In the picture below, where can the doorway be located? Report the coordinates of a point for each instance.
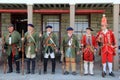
(20, 22)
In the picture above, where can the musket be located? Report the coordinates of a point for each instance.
(40, 66)
(40, 60)
(63, 62)
(81, 57)
(22, 53)
(4, 56)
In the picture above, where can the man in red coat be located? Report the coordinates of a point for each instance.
(89, 45)
(107, 40)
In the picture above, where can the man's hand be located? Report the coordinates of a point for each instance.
(78, 52)
(56, 50)
(36, 50)
(22, 39)
(95, 51)
(61, 52)
(19, 49)
(40, 35)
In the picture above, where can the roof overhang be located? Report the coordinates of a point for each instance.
(44, 11)
(58, 1)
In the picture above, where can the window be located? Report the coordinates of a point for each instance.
(51, 20)
(81, 23)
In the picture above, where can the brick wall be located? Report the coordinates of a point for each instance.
(5, 20)
(37, 21)
(96, 20)
(65, 22)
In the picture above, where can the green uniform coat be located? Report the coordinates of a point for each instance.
(73, 50)
(16, 39)
(35, 42)
(53, 37)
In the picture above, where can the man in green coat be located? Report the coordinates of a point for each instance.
(50, 42)
(70, 46)
(31, 41)
(12, 41)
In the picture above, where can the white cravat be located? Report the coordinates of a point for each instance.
(105, 31)
(88, 35)
(10, 40)
(48, 33)
(70, 42)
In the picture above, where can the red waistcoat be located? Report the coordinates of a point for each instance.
(88, 53)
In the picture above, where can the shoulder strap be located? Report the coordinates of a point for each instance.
(30, 35)
(69, 39)
(48, 38)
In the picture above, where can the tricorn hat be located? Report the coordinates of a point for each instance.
(89, 29)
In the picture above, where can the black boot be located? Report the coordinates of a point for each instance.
(28, 66)
(53, 65)
(9, 71)
(66, 73)
(33, 66)
(10, 64)
(17, 67)
(45, 65)
(33, 72)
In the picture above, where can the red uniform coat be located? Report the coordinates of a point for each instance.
(88, 53)
(107, 49)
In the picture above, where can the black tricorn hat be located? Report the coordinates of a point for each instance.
(89, 29)
(31, 25)
(49, 26)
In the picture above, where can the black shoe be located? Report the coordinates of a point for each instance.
(10, 71)
(28, 72)
(92, 74)
(103, 74)
(33, 72)
(85, 74)
(112, 74)
(17, 71)
(53, 73)
(66, 73)
(45, 72)
(39, 71)
(60, 61)
(74, 73)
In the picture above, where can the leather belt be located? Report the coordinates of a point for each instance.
(29, 44)
(73, 46)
